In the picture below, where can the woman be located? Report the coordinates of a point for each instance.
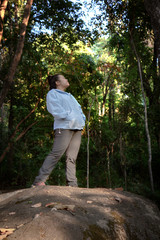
(69, 121)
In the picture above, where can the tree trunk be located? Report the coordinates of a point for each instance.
(88, 151)
(153, 9)
(145, 114)
(108, 167)
(89, 114)
(10, 127)
(3, 5)
(123, 160)
(105, 92)
(111, 106)
(9, 78)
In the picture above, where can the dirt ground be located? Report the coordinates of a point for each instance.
(70, 213)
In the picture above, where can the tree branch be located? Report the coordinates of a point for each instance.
(17, 127)
(10, 144)
(9, 78)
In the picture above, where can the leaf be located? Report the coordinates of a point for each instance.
(37, 205)
(12, 213)
(118, 199)
(4, 232)
(60, 206)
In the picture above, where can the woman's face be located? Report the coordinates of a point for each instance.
(62, 83)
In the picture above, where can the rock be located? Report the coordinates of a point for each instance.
(79, 214)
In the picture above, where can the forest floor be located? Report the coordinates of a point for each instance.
(70, 213)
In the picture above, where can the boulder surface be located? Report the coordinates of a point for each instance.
(70, 213)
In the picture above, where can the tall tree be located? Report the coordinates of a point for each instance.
(153, 9)
(145, 116)
(3, 5)
(17, 56)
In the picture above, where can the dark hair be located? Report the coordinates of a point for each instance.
(52, 81)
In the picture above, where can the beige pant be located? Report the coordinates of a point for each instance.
(65, 141)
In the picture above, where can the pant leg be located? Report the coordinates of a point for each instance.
(61, 141)
(71, 156)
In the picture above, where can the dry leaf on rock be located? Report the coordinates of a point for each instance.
(21, 225)
(38, 215)
(12, 213)
(60, 206)
(4, 232)
(118, 199)
(37, 205)
(50, 204)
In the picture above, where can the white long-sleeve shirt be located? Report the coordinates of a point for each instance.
(65, 109)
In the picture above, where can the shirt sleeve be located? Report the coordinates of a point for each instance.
(54, 107)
